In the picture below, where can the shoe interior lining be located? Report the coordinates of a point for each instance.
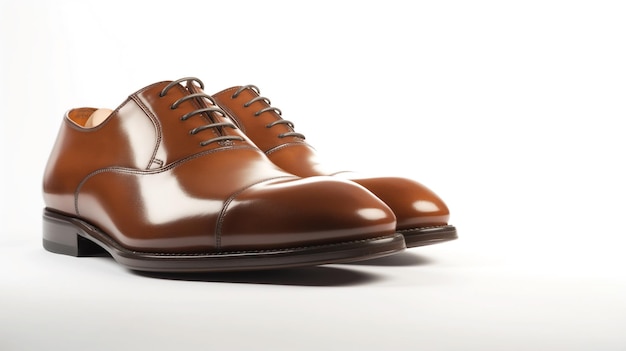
(89, 117)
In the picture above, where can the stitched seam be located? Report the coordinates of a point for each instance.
(222, 215)
(155, 122)
(282, 146)
(148, 172)
(229, 89)
(421, 228)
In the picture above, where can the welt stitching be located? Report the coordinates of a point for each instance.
(115, 244)
(417, 229)
(271, 250)
(112, 242)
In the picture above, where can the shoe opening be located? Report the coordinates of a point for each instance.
(88, 117)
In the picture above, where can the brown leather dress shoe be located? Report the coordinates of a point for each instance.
(422, 217)
(166, 183)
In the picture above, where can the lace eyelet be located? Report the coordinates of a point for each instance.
(246, 105)
(256, 114)
(172, 107)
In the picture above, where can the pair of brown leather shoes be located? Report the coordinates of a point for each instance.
(177, 180)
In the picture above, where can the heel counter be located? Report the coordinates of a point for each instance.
(58, 192)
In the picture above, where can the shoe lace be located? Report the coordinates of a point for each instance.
(279, 121)
(206, 110)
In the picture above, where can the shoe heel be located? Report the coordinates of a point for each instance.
(62, 237)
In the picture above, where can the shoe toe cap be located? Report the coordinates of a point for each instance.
(414, 205)
(303, 212)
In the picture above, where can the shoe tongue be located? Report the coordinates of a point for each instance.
(203, 102)
(213, 117)
(194, 89)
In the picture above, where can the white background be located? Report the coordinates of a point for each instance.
(512, 111)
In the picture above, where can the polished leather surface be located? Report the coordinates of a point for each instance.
(143, 179)
(414, 205)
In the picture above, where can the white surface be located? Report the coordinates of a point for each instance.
(511, 111)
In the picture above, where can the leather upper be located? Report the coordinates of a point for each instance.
(145, 178)
(414, 205)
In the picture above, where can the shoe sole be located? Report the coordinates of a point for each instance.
(75, 237)
(428, 235)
